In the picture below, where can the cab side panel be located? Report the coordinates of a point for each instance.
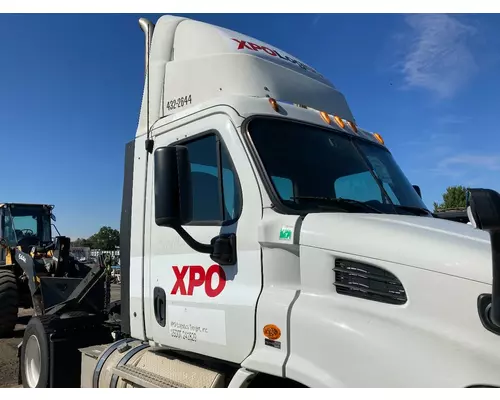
(136, 271)
(125, 235)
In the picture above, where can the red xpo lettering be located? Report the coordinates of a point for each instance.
(198, 277)
(243, 44)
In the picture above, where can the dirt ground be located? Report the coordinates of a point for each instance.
(8, 346)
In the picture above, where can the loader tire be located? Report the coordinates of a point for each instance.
(35, 352)
(9, 302)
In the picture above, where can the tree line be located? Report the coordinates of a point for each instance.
(106, 238)
(455, 197)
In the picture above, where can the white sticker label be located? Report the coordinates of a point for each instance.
(197, 324)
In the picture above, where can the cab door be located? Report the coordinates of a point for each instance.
(193, 303)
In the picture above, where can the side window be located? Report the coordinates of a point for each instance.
(8, 231)
(216, 196)
(361, 187)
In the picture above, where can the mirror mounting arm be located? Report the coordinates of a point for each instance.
(192, 242)
(222, 249)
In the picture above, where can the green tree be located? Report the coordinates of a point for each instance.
(80, 242)
(454, 197)
(106, 239)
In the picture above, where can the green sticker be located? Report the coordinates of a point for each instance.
(285, 233)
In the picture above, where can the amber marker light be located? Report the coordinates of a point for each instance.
(325, 117)
(353, 126)
(379, 138)
(274, 104)
(339, 121)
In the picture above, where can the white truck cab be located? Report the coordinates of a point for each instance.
(265, 235)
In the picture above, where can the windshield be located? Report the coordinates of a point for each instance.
(313, 168)
(26, 223)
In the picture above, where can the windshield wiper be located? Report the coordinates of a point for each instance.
(340, 201)
(414, 210)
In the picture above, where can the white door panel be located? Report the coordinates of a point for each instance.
(208, 308)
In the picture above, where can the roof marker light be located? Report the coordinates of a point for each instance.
(379, 138)
(274, 104)
(324, 115)
(339, 121)
(353, 126)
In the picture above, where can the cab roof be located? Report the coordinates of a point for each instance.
(7, 205)
(192, 62)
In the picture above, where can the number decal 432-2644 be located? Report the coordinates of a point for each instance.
(179, 102)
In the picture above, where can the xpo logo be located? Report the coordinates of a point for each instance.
(243, 44)
(199, 277)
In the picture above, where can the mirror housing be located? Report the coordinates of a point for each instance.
(483, 209)
(172, 182)
(417, 189)
(174, 203)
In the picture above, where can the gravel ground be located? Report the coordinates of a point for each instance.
(8, 346)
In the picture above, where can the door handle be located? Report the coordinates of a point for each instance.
(159, 304)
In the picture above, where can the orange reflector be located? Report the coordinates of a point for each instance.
(379, 138)
(325, 117)
(274, 104)
(272, 332)
(339, 122)
(353, 126)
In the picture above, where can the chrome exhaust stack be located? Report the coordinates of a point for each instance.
(147, 27)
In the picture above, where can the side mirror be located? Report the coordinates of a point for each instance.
(483, 209)
(174, 203)
(53, 217)
(172, 182)
(417, 189)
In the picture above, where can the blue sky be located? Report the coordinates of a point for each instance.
(71, 87)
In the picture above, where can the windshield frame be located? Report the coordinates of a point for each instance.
(277, 203)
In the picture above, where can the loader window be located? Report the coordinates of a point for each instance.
(8, 231)
(216, 196)
(29, 222)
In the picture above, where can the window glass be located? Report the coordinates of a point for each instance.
(311, 168)
(204, 156)
(360, 186)
(284, 187)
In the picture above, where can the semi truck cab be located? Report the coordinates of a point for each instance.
(266, 238)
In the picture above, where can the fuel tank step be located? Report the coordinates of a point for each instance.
(143, 378)
(133, 363)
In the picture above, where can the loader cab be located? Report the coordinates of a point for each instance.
(26, 225)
